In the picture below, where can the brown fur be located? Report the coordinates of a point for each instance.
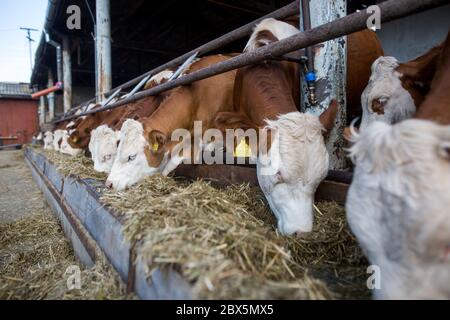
(436, 106)
(198, 101)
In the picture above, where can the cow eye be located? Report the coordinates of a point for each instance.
(131, 158)
(107, 157)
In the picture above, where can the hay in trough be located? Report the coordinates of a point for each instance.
(34, 257)
(225, 243)
(78, 166)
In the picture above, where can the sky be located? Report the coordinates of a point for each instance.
(14, 51)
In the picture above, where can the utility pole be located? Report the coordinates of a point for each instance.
(28, 30)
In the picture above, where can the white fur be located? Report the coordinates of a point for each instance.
(48, 140)
(296, 163)
(126, 172)
(161, 76)
(398, 206)
(103, 147)
(66, 148)
(57, 135)
(384, 83)
(70, 124)
(279, 29)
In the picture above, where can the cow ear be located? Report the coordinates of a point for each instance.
(328, 117)
(233, 120)
(157, 140)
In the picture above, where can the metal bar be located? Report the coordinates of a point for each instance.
(111, 97)
(183, 66)
(50, 96)
(390, 10)
(291, 9)
(137, 87)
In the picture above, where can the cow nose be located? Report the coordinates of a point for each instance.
(108, 184)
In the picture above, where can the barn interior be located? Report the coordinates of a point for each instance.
(144, 34)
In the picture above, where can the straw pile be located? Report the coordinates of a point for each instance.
(225, 242)
(34, 257)
(78, 166)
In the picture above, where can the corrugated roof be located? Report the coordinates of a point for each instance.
(15, 90)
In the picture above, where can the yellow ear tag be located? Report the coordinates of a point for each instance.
(155, 147)
(242, 150)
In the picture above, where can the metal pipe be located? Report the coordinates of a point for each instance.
(306, 18)
(103, 49)
(67, 74)
(289, 10)
(391, 10)
(57, 46)
(51, 97)
(45, 92)
(286, 11)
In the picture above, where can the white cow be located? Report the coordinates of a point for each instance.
(384, 98)
(48, 140)
(65, 147)
(103, 147)
(130, 164)
(398, 206)
(57, 138)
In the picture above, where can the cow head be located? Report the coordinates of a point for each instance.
(48, 140)
(66, 148)
(294, 165)
(103, 147)
(398, 206)
(81, 134)
(57, 139)
(130, 164)
(385, 98)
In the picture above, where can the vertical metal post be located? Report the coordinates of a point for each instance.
(330, 63)
(41, 110)
(51, 96)
(103, 49)
(67, 71)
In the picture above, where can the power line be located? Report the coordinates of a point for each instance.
(30, 40)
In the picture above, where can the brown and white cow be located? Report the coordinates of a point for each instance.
(296, 160)
(396, 90)
(398, 202)
(146, 146)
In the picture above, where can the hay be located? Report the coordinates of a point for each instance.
(34, 256)
(225, 242)
(77, 166)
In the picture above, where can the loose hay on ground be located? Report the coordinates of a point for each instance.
(34, 256)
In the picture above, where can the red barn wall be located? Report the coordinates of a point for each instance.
(18, 118)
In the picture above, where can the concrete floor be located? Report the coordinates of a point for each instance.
(19, 195)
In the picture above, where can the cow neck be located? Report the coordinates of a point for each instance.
(169, 117)
(273, 92)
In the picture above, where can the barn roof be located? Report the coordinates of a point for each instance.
(15, 90)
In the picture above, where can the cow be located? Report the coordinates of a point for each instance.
(396, 90)
(57, 138)
(107, 135)
(266, 99)
(145, 146)
(103, 147)
(398, 202)
(48, 140)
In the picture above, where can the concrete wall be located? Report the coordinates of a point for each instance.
(412, 36)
